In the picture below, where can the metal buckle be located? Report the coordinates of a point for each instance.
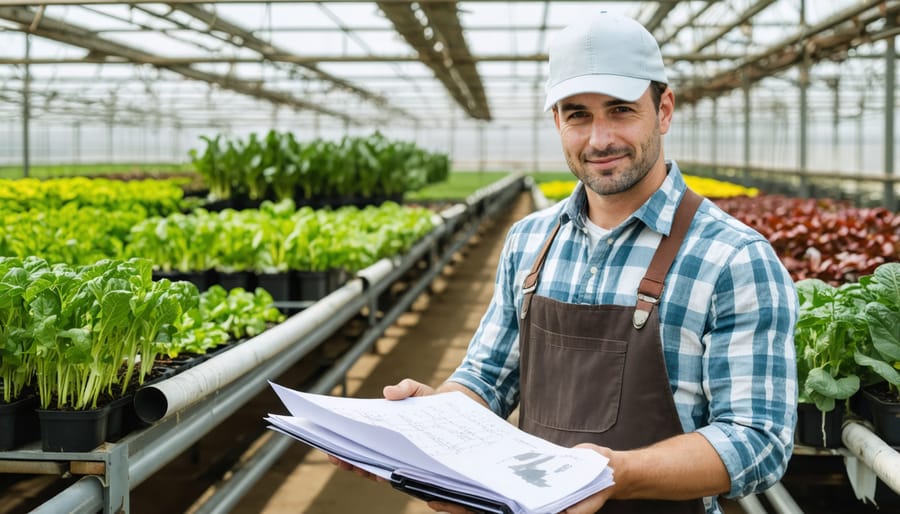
(526, 290)
(648, 299)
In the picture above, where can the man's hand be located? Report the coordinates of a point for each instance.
(595, 502)
(350, 467)
(406, 388)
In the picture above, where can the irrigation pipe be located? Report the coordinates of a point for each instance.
(874, 452)
(161, 400)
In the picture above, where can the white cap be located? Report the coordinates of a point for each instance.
(604, 53)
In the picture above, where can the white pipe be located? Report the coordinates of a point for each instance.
(376, 272)
(160, 400)
(454, 211)
(537, 197)
(874, 452)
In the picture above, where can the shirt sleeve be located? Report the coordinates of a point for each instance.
(491, 365)
(750, 369)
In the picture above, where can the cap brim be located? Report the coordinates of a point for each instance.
(617, 86)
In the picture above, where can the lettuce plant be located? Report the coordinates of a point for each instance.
(289, 169)
(829, 331)
(847, 336)
(881, 353)
(80, 332)
(219, 317)
(16, 352)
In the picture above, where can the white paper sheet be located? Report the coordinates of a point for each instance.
(448, 440)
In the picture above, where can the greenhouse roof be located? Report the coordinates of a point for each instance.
(429, 62)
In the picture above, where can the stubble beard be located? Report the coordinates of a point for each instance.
(627, 178)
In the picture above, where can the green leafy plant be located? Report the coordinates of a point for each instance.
(828, 333)
(847, 336)
(280, 167)
(16, 344)
(80, 332)
(222, 316)
(881, 353)
(278, 237)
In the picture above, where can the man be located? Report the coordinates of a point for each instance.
(634, 318)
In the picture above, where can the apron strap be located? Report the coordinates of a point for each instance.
(651, 286)
(530, 284)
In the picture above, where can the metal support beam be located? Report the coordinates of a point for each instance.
(689, 22)
(68, 33)
(845, 30)
(247, 39)
(434, 31)
(26, 111)
(328, 58)
(135, 2)
(802, 136)
(835, 118)
(747, 163)
(658, 17)
(890, 81)
(714, 145)
(741, 20)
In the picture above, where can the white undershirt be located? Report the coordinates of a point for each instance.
(595, 232)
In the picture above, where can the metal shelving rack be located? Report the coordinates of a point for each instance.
(113, 469)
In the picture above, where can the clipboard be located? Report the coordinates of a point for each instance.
(430, 492)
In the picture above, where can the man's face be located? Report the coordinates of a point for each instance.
(611, 144)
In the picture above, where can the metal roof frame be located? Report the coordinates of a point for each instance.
(437, 37)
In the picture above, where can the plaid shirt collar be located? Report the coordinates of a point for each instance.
(657, 213)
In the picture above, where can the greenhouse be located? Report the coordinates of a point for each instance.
(667, 232)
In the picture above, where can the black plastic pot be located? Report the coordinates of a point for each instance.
(18, 422)
(810, 426)
(118, 419)
(885, 416)
(232, 279)
(72, 430)
(276, 284)
(202, 279)
(312, 286)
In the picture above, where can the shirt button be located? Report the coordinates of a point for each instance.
(593, 270)
(609, 241)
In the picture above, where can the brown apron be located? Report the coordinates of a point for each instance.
(596, 373)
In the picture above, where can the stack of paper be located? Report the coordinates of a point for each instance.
(445, 447)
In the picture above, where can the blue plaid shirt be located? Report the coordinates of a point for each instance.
(727, 320)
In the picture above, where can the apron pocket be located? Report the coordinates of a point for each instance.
(575, 383)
